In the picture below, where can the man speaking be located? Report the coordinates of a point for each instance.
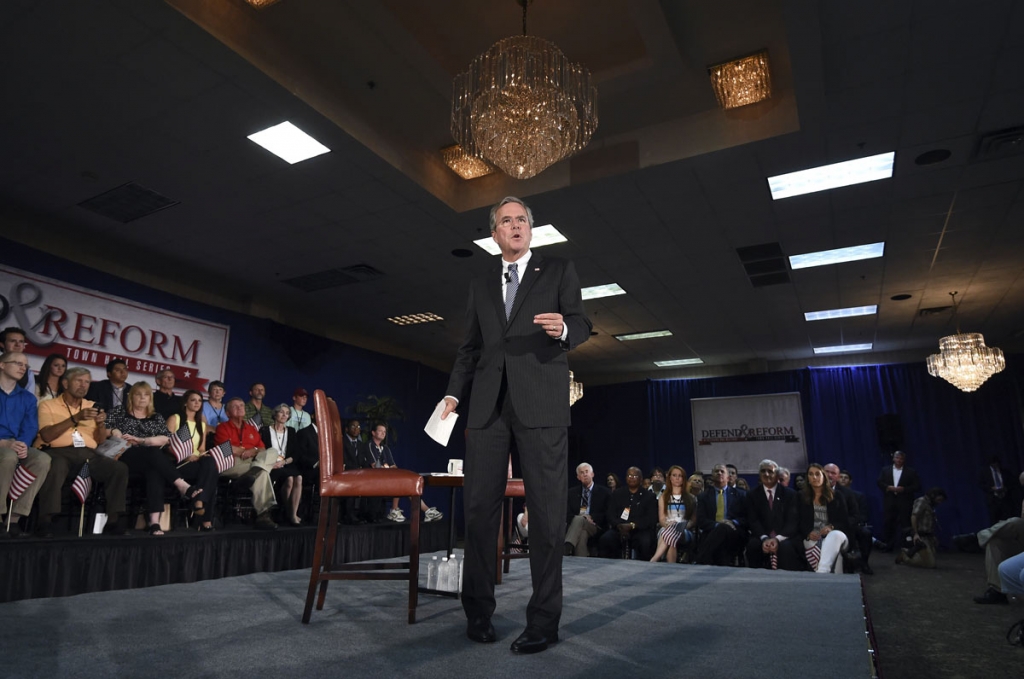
(521, 320)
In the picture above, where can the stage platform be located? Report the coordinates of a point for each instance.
(621, 619)
(66, 566)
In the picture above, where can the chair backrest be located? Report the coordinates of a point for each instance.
(332, 447)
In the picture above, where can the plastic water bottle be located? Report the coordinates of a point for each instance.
(432, 573)
(457, 574)
(443, 574)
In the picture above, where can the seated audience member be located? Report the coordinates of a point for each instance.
(772, 515)
(657, 482)
(279, 437)
(522, 534)
(145, 431)
(647, 483)
(19, 422)
(677, 511)
(586, 516)
(297, 417)
(72, 427)
(1000, 541)
(252, 461)
(859, 522)
(379, 451)
(199, 469)
(13, 340)
(783, 475)
(1011, 576)
(49, 383)
(722, 520)
(800, 482)
(734, 474)
(165, 401)
(632, 516)
(356, 510)
(695, 486)
(112, 392)
(822, 523)
(306, 453)
(612, 481)
(257, 392)
(741, 484)
(213, 409)
(924, 544)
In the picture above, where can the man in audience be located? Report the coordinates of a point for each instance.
(1001, 541)
(632, 518)
(299, 418)
(722, 520)
(734, 474)
(380, 453)
(252, 460)
(865, 540)
(783, 474)
(898, 483)
(19, 423)
(110, 393)
(356, 456)
(13, 339)
(772, 515)
(307, 453)
(213, 408)
(995, 482)
(856, 512)
(165, 401)
(255, 405)
(72, 426)
(587, 513)
(657, 482)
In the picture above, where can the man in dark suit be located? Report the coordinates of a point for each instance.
(113, 391)
(860, 521)
(771, 513)
(722, 520)
(856, 532)
(586, 516)
(356, 456)
(898, 483)
(632, 518)
(523, 317)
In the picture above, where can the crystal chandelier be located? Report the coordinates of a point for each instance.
(575, 390)
(742, 81)
(522, 106)
(463, 164)
(963, 359)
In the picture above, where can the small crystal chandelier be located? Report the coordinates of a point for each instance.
(963, 359)
(575, 390)
(463, 164)
(522, 106)
(742, 81)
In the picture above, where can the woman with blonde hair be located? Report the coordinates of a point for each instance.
(676, 516)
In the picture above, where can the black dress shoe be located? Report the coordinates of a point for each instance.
(533, 641)
(968, 542)
(991, 596)
(866, 570)
(481, 630)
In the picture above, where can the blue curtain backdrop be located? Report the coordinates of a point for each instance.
(947, 434)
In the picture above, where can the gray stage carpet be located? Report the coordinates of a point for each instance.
(621, 619)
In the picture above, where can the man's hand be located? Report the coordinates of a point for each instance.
(89, 414)
(625, 529)
(449, 407)
(770, 546)
(101, 416)
(20, 449)
(552, 324)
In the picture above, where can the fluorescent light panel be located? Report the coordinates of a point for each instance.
(848, 312)
(643, 335)
(678, 361)
(832, 176)
(413, 319)
(289, 142)
(842, 348)
(608, 290)
(851, 254)
(542, 235)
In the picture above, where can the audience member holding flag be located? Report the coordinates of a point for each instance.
(252, 460)
(22, 468)
(188, 430)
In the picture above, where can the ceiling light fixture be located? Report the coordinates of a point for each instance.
(413, 319)
(743, 81)
(678, 362)
(832, 176)
(289, 143)
(842, 348)
(598, 291)
(542, 235)
(575, 390)
(261, 4)
(643, 335)
(851, 254)
(463, 164)
(848, 312)
(522, 106)
(963, 359)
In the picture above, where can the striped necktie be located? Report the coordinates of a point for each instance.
(511, 285)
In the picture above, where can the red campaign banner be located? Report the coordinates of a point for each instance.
(184, 377)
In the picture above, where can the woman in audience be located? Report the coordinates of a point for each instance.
(922, 550)
(612, 481)
(198, 468)
(742, 484)
(285, 475)
(695, 486)
(823, 522)
(800, 482)
(48, 383)
(145, 431)
(676, 516)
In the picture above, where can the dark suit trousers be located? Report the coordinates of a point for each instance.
(788, 558)
(720, 545)
(543, 453)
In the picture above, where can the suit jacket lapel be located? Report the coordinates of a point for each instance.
(526, 280)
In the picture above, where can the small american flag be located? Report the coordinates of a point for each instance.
(20, 482)
(181, 444)
(222, 456)
(256, 420)
(82, 485)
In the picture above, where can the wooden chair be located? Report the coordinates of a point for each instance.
(336, 484)
(513, 489)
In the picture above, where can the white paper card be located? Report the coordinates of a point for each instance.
(438, 429)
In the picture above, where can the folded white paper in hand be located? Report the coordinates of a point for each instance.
(438, 429)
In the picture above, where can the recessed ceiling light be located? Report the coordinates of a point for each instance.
(848, 312)
(932, 157)
(832, 176)
(542, 235)
(643, 335)
(413, 319)
(842, 348)
(596, 291)
(678, 361)
(289, 142)
(838, 256)
(900, 297)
